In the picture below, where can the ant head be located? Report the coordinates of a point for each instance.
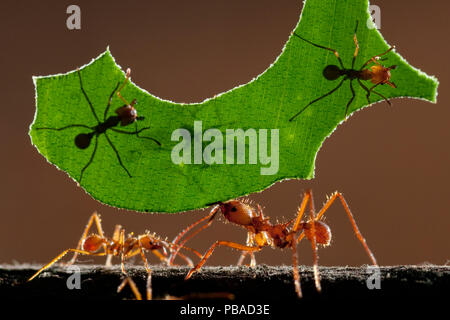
(238, 212)
(332, 72)
(83, 140)
(147, 242)
(127, 114)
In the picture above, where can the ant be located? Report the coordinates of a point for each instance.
(262, 233)
(125, 115)
(377, 74)
(120, 246)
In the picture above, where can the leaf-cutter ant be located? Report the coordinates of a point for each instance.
(261, 232)
(125, 116)
(123, 247)
(377, 74)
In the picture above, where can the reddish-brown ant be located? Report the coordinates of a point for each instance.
(377, 74)
(125, 115)
(120, 246)
(261, 232)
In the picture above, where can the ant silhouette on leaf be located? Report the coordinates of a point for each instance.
(377, 74)
(125, 116)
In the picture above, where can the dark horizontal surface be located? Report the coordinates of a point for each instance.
(264, 283)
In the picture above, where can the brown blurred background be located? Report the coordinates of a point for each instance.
(392, 164)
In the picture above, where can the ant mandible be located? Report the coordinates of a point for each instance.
(125, 115)
(261, 232)
(122, 247)
(377, 74)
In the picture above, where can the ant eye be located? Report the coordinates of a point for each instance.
(234, 209)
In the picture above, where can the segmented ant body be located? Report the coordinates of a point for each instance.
(377, 74)
(262, 233)
(125, 116)
(120, 246)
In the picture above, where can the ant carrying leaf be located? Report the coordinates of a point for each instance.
(125, 116)
(377, 74)
(261, 232)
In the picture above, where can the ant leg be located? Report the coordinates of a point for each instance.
(233, 245)
(181, 244)
(93, 218)
(315, 100)
(115, 238)
(48, 265)
(312, 210)
(351, 99)
(66, 127)
(295, 272)
(109, 102)
(90, 160)
(136, 132)
(307, 195)
(149, 273)
(133, 287)
(250, 242)
(322, 47)
(352, 220)
(175, 241)
(86, 96)
(123, 85)
(355, 39)
(187, 259)
(122, 251)
(366, 89)
(149, 138)
(369, 91)
(117, 154)
(382, 96)
(375, 58)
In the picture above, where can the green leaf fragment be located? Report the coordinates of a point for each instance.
(295, 78)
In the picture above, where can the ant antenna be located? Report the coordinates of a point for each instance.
(123, 85)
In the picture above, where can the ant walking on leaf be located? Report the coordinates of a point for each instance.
(377, 74)
(124, 248)
(125, 116)
(262, 233)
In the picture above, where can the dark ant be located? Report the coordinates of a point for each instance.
(261, 232)
(126, 115)
(377, 74)
(122, 247)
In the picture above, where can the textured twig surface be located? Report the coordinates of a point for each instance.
(262, 283)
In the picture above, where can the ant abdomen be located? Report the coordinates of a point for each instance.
(322, 230)
(332, 72)
(83, 140)
(93, 243)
